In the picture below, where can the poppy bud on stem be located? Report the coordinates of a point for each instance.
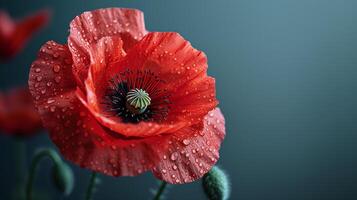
(63, 178)
(62, 175)
(216, 184)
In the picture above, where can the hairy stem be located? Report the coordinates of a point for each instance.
(91, 186)
(19, 157)
(160, 191)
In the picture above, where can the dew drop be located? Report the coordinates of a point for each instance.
(174, 156)
(49, 101)
(186, 142)
(58, 79)
(53, 108)
(56, 68)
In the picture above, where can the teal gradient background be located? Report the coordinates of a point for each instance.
(286, 80)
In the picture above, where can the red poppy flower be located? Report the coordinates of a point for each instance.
(14, 35)
(18, 115)
(122, 101)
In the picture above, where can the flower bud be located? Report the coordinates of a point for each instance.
(216, 184)
(63, 178)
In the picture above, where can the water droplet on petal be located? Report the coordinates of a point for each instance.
(53, 108)
(58, 79)
(186, 142)
(56, 68)
(49, 101)
(174, 156)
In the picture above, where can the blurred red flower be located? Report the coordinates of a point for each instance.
(121, 101)
(14, 34)
(18, 115)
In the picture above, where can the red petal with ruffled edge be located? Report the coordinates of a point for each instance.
(106, 50)
(13, 36)
(184, 72)
(18, 116)
(193, 151)
(91, 26)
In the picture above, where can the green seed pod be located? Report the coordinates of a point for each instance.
(216, 184)
(63, 178)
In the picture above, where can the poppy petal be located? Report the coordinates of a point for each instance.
(51, 75)
(22, 31)
(7, 26)
(88, 27)
(192, 151)
(105, 51)
(18, 116)
(103, 151)
(183, 70)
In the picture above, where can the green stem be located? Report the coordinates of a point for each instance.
(160, 191)
(34, 165)
(91, 186)
(19, 157)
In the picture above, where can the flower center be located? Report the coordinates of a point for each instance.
(137, 100)
(127, 97)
